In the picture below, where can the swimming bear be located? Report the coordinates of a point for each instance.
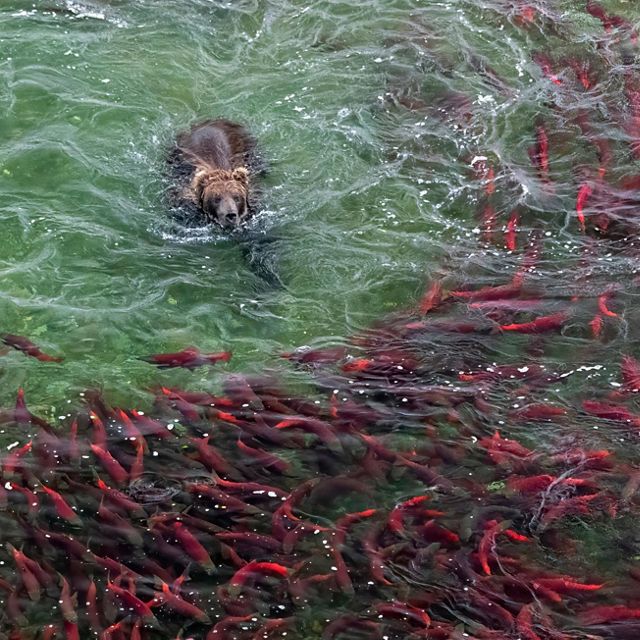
(214, 165)
(213, 169)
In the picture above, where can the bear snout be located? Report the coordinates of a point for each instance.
(227, 210)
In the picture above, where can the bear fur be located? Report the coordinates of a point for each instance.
(213, 167)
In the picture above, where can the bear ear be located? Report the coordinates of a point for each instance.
(241, 175)
(199, 178)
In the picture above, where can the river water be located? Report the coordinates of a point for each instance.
(364, 196)
(92, 97)
(407, 142)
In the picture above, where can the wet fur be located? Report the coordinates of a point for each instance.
(218, 155)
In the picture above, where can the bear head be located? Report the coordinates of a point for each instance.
(223, 195)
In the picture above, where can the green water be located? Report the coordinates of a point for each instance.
(365, 199)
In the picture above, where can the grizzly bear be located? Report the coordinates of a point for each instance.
(214, 165)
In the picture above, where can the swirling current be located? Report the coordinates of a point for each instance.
(404, 405)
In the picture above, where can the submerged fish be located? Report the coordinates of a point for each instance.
(188, 358)
(539, 154)
(20, 343)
